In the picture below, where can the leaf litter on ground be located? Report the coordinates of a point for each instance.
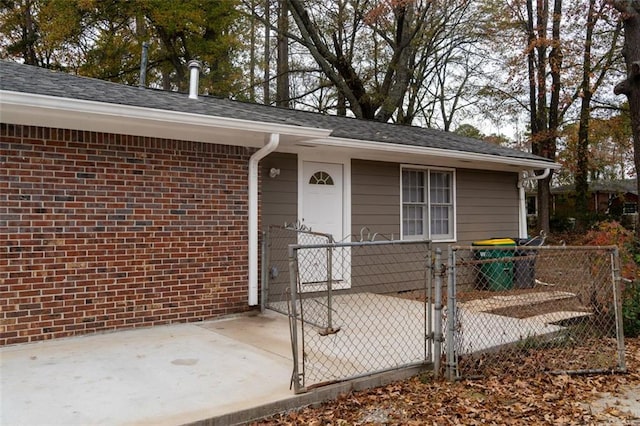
(522, 397)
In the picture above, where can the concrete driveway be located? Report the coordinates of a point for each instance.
(161, 375)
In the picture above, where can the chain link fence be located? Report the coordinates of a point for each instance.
(554, 309)
(359, 308)
(365, 307)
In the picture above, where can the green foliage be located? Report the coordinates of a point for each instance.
(469, 131)
(631, 309)
(103, 39)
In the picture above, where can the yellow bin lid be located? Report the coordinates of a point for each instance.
(495, 242)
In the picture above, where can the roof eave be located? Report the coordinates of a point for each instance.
(464, 156)
(33, 109)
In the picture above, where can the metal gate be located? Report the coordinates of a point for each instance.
(275, 262)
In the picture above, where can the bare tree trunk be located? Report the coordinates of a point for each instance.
(341, 107)
(29, 36)
(283, 98)
(531, 64)
(267, 52)
(166, 80)
(544, 116)
(630, 14)
(582, 172)
(537, 61)
(252, 53)
(341, 101)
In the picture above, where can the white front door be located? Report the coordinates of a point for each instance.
(322, 198)
(322, 210)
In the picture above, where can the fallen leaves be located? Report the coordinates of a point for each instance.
(518, 398)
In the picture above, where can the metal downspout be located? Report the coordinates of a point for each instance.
(272, 145)
(526, 176)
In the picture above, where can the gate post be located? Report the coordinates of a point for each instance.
(293, 319)
(451, 317)
(438, 313)
(429, 336)
(329, 288)
(617, 301)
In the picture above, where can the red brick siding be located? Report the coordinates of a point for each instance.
(104, 231)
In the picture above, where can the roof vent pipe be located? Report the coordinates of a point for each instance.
(143, 65)
(194, 74)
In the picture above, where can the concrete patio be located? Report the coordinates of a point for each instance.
(218, 372)
(227, 371)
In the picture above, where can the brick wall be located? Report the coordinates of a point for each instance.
(103, 231)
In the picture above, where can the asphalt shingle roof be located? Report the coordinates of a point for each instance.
(29, 79)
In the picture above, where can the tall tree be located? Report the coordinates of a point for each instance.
(283, 98)
(381, 102)
(252, 51)
(103, 38)
(593, 65)
(581, 179)
(630, 87)
(610, 150)
(395, 23)
(569, 53)
(544, 102)
(267, 53)
(21, 30)
(449, 59)
(399, 60)
(43, 33)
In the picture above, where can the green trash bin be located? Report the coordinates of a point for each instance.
(495, 275)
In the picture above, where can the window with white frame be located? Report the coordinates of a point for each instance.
(427, 204)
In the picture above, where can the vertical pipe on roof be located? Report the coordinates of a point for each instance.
(143, 65)
(274, 141)
(194, 75)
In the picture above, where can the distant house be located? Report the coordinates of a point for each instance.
(125, 206)
(611, 197)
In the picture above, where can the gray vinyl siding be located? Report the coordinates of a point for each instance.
(486, 202)
(487, 205)
(375, 205)
(279, 194)
(279, 205)
(375, 197)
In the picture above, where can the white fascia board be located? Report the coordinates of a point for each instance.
(435, 152)
(83, 107)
